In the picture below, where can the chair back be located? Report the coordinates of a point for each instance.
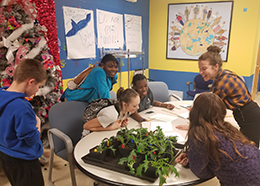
(67, 117)
(113, 95)
(201, 84)
(160, 90)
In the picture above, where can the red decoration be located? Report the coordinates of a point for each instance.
(47, 17)
(12, 23)
(10, 70)
(30, 98)
(2, 18)
(21, 52)
(6, 83)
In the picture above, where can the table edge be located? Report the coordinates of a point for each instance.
(97, 178)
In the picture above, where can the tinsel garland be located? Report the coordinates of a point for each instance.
(47, 17)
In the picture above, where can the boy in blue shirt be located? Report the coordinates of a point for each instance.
(20, 143)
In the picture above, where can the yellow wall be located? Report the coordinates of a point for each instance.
(243, 42)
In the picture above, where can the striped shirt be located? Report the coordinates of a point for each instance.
(231, 89)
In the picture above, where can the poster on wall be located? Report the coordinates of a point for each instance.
(133, 32)
(79, 33)
(109, 29)
(192, 27)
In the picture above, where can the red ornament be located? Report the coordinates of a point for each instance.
(10, 70)
(20, 54)
(2, 18)
(12, 24)
(6, 82)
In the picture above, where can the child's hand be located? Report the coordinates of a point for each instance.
(38, 123)
(115, 125)
(125, 122)
(182, 159)
(169, 106)
(182, 127)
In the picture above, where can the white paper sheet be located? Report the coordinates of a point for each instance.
(164, 125)
(184, 115)
(146, 125)
(133, 32)
(79, 32)
(163, 117)
(109, 29)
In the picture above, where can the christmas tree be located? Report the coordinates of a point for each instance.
(21, 36)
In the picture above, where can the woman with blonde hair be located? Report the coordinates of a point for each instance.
(106, 114)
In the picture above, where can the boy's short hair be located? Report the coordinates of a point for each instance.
(138, 77)
(30, 69)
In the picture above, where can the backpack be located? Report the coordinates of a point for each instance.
(95, 106)
(72, 85)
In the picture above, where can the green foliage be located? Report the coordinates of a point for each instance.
(106, 144)
(154, 145)
(156, 150)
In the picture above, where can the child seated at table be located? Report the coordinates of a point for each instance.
(140, 85)
(106, 114)
(216, 148)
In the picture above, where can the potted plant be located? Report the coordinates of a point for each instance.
(105, 149)
(144, 154)
(157, 149)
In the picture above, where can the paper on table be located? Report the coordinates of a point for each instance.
(163, 117)
(184, 115)
(146, 125)
(180, 139)
(166, 126)
(185, 106)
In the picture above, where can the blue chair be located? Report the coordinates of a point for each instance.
(161, 92)
(199, 86)
(66, 126)
(113, 94)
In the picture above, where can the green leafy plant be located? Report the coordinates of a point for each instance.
(143, 152)
(162, 168)
(154, 145)
(131, 160)
(106, 144)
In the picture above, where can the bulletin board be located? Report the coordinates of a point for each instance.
(192, 27)
(72, 67)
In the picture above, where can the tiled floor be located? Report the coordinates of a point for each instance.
(61, 175)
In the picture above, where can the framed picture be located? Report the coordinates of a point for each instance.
(192, 27)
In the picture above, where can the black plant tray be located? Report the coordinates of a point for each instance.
(111, 163)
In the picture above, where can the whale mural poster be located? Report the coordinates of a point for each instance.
(79, 33)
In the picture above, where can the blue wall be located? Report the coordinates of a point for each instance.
(70, 68)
